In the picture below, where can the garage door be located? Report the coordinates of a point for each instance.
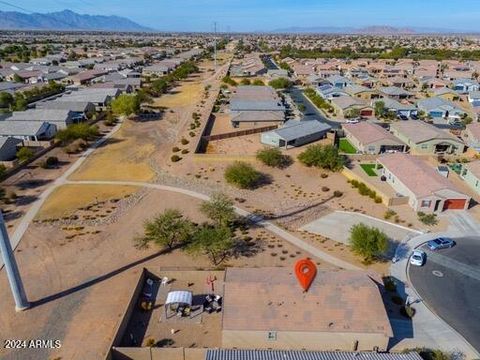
(454, 204)
(366, 113)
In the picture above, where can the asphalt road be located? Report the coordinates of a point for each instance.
(449, 283)
(311, 112)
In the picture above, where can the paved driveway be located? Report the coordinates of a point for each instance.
(449, 283)
(337, 225)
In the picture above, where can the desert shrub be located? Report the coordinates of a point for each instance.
(273, 157)
(337, 193)
(25, 154)
(369, 242)
(427, 219)
(175, 158)
(407, 311)
(175, 149)
(242, 175)
(389, 284)
(185, 151)
(184, 141)
(325, 157)
(325, 189)
(389, 214)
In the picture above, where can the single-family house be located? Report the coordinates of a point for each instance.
(471, 135)
(396, 107)
(100, 97)
(345, 105)
(445, 93)
(28, 130)
(371, 138)
(362, 92)
(61, 118)
(329, 92)
(423, 138)
(470, 172)
(426, 189)
(81, 109)
(474, 98)
(396, 93)
(8, 148)
(464, 86)
(339, 81)
(296, 133)
(438, 107)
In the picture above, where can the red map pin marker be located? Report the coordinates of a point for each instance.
(306, 271)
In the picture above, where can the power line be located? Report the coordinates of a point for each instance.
(14, 6)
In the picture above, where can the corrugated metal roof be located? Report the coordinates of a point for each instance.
(296, 129)
(235, 354)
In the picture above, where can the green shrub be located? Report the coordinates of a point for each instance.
(25, 154)
(389, 284)
(325, 157)
(369, 242)
(242, 175)
(407, 311)
(273, 157)
(389, 214)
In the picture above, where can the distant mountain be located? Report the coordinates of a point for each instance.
(373, 30)
(66, 20)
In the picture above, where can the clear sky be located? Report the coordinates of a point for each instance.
(252, 15)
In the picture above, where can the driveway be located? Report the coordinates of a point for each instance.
(337, 225)
(449, 283)
(311, 111)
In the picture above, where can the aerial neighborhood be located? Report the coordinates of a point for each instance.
(224, 195)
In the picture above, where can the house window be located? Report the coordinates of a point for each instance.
(426, 203)
(476, 183)
(272, 336)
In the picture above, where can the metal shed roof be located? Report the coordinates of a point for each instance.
(234, 354)
(179, 297)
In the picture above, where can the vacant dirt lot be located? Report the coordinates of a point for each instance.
(80, 284)
(66, 200)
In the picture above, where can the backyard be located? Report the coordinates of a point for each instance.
(370, 169)
(346, 147)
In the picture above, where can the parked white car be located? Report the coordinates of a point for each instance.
(418, 258)
(352, 121)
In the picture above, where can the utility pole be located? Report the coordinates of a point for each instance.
(16, 285)
(215, 44)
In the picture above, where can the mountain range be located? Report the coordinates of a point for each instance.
(66, 20)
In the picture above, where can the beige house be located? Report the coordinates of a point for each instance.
(362, 92)
(344, 105)
(423, 138)
(471, 174)
(266, 308)
(371, 138)
(471, 135)
(426, 189)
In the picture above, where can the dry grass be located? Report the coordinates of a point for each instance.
(186, 94)
(68, 198)
(125, 157)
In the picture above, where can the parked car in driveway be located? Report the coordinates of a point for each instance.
(352, 121)
(440, 243)
(418, 258)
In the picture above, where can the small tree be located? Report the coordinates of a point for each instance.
(273, 157)
(213, 242)
(379, 108)
(280, 83)
(77, 131)
(168, 229)
(352, 113)
(126, 104)
(6, 100)
(325, 157)
(369, 242)
(258, 82)
(242, 175)
(219, 209)
(25, 154)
